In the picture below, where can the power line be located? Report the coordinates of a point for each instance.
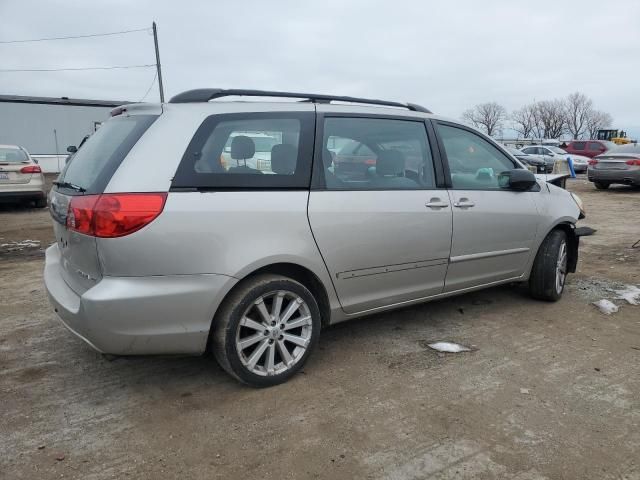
(150, 86)
(75, 36)
(11, 70)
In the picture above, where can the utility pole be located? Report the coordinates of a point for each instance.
(155, 41)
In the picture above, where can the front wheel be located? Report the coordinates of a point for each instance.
(601, 185)
(549, 271)
(265, 330)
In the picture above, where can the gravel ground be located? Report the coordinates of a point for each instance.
(548, 391)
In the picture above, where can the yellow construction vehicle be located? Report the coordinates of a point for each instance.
(619, 137)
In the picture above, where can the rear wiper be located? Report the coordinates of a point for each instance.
(77, 188)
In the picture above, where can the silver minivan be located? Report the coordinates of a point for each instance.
(171, 236)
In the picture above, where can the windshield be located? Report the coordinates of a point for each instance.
(93, 165)
(515, 151)
(557, 150)
(12, 155)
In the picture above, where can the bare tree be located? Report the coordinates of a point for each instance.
(523, 120)
(577, 109)
(550, 118)
(597, 120)
(486, 116)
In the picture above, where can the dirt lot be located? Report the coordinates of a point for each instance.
(550, 391)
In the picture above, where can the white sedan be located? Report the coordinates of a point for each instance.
(580, 163)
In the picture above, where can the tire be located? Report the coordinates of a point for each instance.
(263, 362)
(549, 272)
(601, 185)
(41, 202)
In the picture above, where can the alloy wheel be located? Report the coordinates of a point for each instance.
(274, 333)
(561, 267)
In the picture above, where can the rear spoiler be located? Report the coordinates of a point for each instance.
(559, 179)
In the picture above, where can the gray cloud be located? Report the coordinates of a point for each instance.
(445, 55)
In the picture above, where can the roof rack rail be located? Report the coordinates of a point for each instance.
(205, 94)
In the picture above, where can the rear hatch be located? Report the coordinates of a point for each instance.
(12, 162)
(87, 174)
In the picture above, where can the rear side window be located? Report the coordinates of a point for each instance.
(95, 163)
(249, 150)
(578, 145)
(12, 155)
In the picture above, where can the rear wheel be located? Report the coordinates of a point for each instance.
(41, 202)
(601, 185)
(549, 271)
(266, 329)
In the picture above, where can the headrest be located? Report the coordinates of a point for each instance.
(327, 157)
(242, 147)
(284, 158)
(390, 163)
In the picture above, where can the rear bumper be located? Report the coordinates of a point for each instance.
(138, 315)
(614, 176)
(22, 195)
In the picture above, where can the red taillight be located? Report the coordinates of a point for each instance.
(114, 214)
(633, 162)
(593, 161)
(31, 169)
(370, 161)
(80, 214)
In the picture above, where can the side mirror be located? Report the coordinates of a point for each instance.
(517, 179)
(72, 149)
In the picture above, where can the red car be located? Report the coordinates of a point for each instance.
(589, 148)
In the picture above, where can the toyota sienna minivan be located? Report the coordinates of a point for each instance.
(173, 236)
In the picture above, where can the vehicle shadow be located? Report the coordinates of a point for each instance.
(177, 376)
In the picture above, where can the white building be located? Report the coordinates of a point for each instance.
(46, 126)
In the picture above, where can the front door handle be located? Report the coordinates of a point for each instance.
(464, 203)
(436, 203)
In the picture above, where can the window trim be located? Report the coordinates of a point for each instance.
(318, 181)
(187, 179)
(445, 160)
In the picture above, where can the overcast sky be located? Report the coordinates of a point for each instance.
(446, 55)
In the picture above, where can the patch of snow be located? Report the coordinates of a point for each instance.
(524, 391)
(449, 347)
(12, 246)
(606, 306)
(630, 293)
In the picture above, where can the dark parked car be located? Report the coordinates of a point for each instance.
(621, 164)
(589, 148)
(527, 159)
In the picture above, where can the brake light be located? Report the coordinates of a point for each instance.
(633, 162)
(80, 214)
(114, 214)
(31, 169)
(593, 161)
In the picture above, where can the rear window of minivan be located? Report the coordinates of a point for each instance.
(94, 164)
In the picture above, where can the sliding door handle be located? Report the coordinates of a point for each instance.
(436, 203)
(464, 203)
